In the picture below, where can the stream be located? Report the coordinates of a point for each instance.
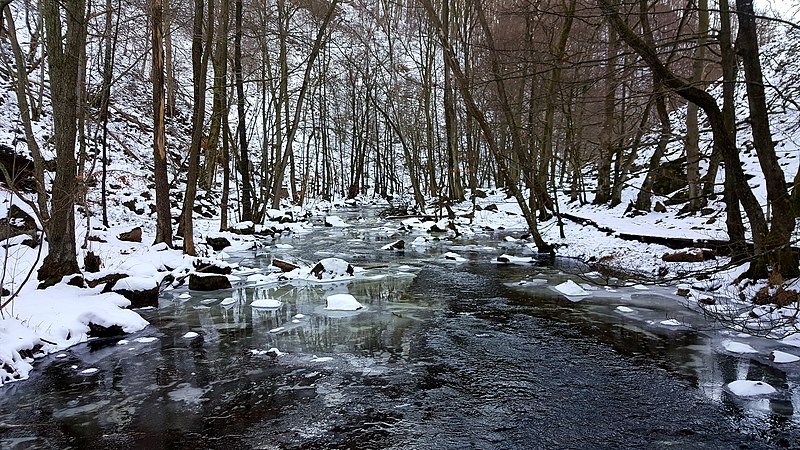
(445, 355)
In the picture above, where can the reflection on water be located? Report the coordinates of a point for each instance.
(443, 355)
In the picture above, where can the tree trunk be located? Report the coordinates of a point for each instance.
(200, 58)
(64, 63)
(778, 251)
(163, 214)
(244, 159)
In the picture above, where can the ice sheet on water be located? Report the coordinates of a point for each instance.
(737, 347)
(571, 289)
(267, 303)
(747, 388)
(780, 357)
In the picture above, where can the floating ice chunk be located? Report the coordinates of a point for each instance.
(123, 342)
(342, 302)
(61, 355)
(146, 340)
(277, 330)
(746, 388)
(299, 316)
(671, 323)
(89, 371)
(641, 287)
(571, 289)
(266, 303)
(190, 335)
(625, 309)
(737, 347)
(783, 357)
(321, 358)
(295, 321)
(185, 295)
(228, 301)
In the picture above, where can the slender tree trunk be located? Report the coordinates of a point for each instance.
(692, 141)
(163, 214)
(244, 158)
(166, 11)
(779, 254)
(200, 56)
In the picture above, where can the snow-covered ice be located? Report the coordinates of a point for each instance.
(748, 388)
(571, 289)
(342, 302)
(267, 303)
(737, 347)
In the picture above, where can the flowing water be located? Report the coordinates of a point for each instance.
(444, 355)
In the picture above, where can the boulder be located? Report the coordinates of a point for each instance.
(17, 223)
(332, 268)
(218, 243)
(243, 228)
(141, 291)
(208, 282)
(209, 266)
(396, 245)
(135, 235)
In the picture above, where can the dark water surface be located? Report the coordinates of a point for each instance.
(445, 356)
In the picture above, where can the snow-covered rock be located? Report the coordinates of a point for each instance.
(330, 269)
(342, 302)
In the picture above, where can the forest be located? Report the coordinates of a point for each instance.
(399, 223)
(418, 102)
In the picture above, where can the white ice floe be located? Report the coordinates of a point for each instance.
(571, 289)
(625, 309)
(277, 330)
(780, 357)
(747, 388)
(89, 371)
(145, 340)
(185, 296)
(266, 303)
(190, 335)
(315, 358)
(671, 323)
(227, 301)
(737, 347)
(342, 302)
